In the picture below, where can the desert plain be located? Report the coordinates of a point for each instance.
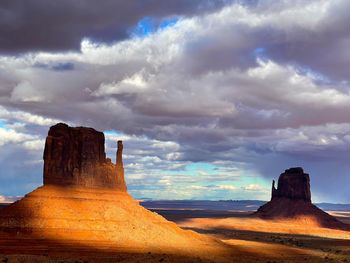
(243, 237)
(258, 240)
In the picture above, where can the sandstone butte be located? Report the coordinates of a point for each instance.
(84, 206)
(292, 200)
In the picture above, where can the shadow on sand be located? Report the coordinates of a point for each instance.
(241, 245)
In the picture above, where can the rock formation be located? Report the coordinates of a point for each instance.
(292, 184)
(119, 162)
(84, 206)
(292, 200)
(76, 156)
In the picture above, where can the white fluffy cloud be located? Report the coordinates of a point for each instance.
(25, 117)
(8, 199)
(255, 188)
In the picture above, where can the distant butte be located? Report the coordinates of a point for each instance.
(292, 200)
(293, 184)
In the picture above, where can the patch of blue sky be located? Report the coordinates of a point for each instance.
(168, 22)
(195, 169)
(259, 50)
(254, 182)
(113, 133)
(3, 125)
(260, 53)
(201, 167)
(149, 25)
(144, 27)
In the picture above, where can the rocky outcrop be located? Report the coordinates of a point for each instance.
(293, 184)
(119, 161)
(292, 200)
(76, 157)
(84, 206)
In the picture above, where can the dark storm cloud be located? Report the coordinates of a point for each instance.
(40, 25)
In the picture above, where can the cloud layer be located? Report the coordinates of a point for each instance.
(212, 106)
(36, 25)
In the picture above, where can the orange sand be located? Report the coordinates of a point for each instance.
(299, 226)
(62, 219)
(72, 224)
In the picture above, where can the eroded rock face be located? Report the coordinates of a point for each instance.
(293, 184)
(292, 200)
(76, 157)
(119, 160)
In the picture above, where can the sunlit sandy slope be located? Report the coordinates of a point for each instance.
(73, 224)
(98, 219)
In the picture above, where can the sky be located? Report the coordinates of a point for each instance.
(213, 99)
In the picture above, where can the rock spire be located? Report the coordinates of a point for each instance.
(119, 160)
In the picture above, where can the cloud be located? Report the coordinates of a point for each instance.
(254, 188)
(34, 25)
(8, 199)
(11, 136)
(24, 92)
(226, 187)
(248, 89)
(129, 85)
(13, 116)
(214, 187)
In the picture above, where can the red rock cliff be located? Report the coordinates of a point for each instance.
(76, 157)
(293, 184)
(292, 200)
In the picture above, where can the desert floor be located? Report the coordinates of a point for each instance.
(259, 240)
(248, 238)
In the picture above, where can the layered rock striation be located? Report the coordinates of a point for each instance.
(292, 200)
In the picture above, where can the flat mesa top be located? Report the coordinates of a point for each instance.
(294, 170)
